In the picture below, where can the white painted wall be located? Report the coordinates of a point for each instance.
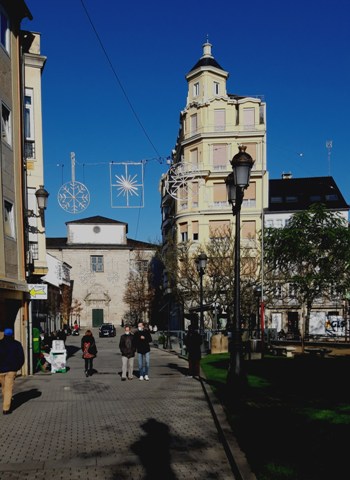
(99, 234)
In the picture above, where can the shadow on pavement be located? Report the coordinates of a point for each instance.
(23, 397)
(153, 449)
(71, 350)
(182, 370)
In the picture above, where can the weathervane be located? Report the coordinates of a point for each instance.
(73, 197)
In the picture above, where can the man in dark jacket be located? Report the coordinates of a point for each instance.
(11, 360)
(142, 340)
(127, 348)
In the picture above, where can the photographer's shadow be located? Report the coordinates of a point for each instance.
(153, 449)
(24, 397)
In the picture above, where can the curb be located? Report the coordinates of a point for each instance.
(236, 457)
(238, 461)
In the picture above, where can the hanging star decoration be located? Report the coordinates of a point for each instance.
(127, 185)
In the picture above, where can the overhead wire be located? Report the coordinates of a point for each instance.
(118, 80)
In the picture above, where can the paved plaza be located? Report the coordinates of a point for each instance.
(67, 426)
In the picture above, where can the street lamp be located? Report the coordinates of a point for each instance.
(167, 292)
(201, 263)
(257, 293)
(236, 183)
(41, 197)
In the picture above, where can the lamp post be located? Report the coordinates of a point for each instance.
(236, 183)
(201, 263)
(257, 293)
(167, 292)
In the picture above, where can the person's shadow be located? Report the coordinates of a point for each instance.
(23, 397)
(153, 450)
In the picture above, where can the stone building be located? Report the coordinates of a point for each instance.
(101, 257)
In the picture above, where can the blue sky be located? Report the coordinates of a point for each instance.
(296, 54)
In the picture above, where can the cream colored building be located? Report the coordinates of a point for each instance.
(13, 287)
(212, 126)
(101, 257)
(34, 64)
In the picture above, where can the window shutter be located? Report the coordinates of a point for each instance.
(248, 229)
(250, 192)
(220, 193)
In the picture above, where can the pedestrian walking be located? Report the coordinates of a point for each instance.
(11, 360)
(127, 348)
(143, 339)
(193, 342)
(88, 346)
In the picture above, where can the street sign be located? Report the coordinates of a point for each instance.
(37, 291)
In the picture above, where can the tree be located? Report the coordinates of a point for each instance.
(139, 292)
(218, 281)
(312, 252)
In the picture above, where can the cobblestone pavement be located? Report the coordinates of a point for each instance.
(67, 426)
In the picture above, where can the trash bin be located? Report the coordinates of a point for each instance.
(58, 357)
(255, 345)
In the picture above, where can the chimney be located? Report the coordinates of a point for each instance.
(286, 176)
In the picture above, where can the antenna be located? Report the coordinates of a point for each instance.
(329, 145)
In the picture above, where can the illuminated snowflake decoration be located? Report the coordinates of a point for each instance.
(126, 185)
(178, 180)
(73, 197)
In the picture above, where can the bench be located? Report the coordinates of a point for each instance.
(322, 352)
(283, 350)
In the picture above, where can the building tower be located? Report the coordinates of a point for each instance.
(212, 126)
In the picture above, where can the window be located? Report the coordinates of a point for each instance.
(194, 125)
(276, 200)
(96, 263)
(292, 290)
(216, 88)
(196, 89)
(6, 132)
(184, 232)
(220, 156)
(219, 228)
(195, 230)
(4, 31)
(261, 115)
(9, 219)
(194, 158)
(251, 149)
(248, 229)
(333, 197)
(183, 197)
(248, 118)
(278, 292)
(28, 115)
(219, 120)
(29, 123)
(141, 266)
(220, 194)
(34, 250)
(315, 198)
(194, 189)
(249, 199)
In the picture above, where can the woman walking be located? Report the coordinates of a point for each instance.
(88, 346)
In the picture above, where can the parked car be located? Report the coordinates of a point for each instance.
(107, 330)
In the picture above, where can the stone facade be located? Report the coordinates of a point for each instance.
(101, 258)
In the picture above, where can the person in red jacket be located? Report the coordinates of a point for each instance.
(11, 360)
